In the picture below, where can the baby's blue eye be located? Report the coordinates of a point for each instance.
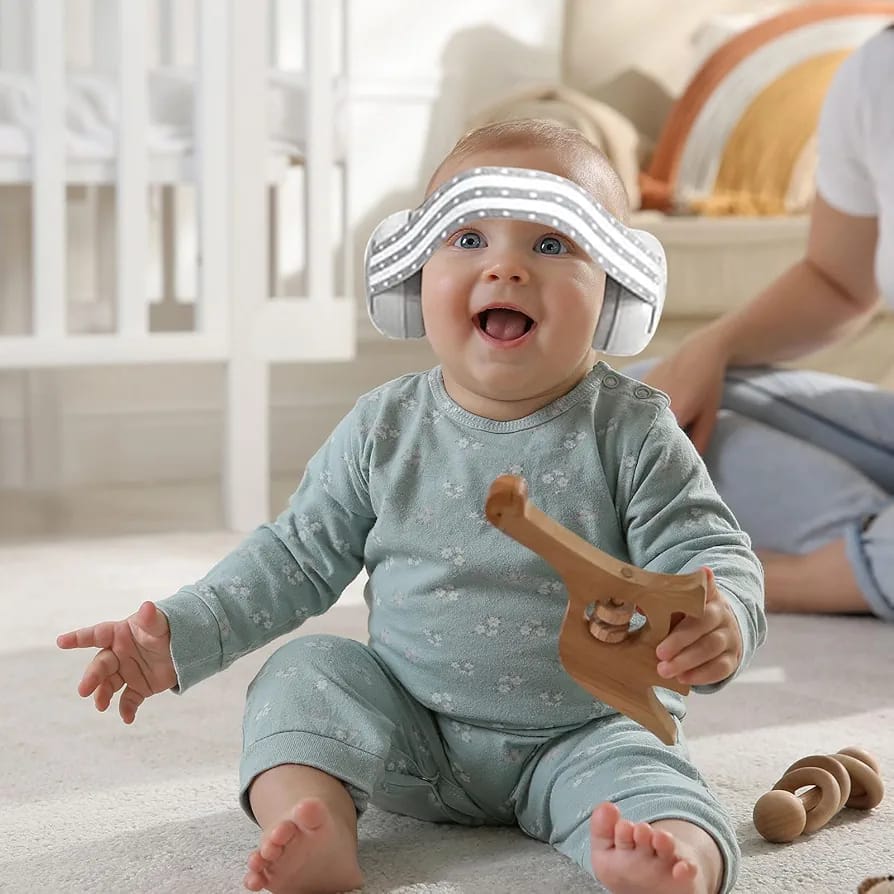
(469, 239)
(551, 245)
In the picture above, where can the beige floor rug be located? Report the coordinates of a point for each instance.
(88, 805)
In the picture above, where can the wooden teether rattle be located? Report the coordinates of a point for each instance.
(617, 667)
(879, 884)
(850, 778)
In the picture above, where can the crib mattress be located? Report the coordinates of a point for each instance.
(91, 124)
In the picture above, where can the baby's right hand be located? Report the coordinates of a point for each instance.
(135, 655)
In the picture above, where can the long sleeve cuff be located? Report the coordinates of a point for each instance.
(196, 648)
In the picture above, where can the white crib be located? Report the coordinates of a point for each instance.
(237, 52)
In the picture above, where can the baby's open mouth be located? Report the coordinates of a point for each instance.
(504, 323)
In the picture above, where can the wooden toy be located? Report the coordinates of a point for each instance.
(596, 646)
(880, 884)
(849, 778)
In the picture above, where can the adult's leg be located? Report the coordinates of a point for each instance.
(855, 421)
(851, 419)
(823, 530)
(803, 468)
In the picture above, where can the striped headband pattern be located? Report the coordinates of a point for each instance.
(517, 194)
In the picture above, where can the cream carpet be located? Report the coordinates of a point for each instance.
(89, 805)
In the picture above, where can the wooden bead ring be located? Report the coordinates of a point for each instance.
(830, 794)
(833, 766)
(867, 788)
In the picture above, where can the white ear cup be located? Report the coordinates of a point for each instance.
(396, 313)
(626, 322)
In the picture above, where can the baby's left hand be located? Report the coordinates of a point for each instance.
(700, 651)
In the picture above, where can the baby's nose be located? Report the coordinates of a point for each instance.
(507, 270)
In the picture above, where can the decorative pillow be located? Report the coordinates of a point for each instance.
(740, 140)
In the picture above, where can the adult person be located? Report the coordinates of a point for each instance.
(806, 460)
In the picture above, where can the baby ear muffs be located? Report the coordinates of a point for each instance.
(625, 326)
(396, 313)
(626, 322)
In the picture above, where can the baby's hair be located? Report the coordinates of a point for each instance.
(592, 169)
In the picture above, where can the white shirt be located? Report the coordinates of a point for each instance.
(855, 169)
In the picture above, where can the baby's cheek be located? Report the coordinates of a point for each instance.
(439, 289)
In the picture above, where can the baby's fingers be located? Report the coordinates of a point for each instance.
(707, 648)
(128, 703)
(99, 636)
(102, 696)
(690, 629)
(710, 672)
(104, 665)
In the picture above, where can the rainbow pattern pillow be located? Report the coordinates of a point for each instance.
(742, 137)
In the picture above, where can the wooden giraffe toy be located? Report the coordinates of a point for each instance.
(618, 667)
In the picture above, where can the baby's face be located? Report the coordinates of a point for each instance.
(510, 307)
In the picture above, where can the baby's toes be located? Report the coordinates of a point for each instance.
(256, 863)
(624, 834)
(309, 815)
(270, 850)
(684, 871)
(281, 834)
(642, 838)
(254, 881)
(602, 827)
(665, 845)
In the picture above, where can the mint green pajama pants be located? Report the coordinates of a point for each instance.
(332, 703)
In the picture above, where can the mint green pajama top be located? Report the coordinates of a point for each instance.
(466, 618)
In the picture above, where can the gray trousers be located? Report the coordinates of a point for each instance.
(804, 458)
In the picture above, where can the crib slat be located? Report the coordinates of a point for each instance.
(133, 229)
(247, 450)
(287, 28)
(211, 166)
(104, 28)
(27, 352)
(319, 167)
(48, 218)
(177, 37)
(78, 37)
(14, 17)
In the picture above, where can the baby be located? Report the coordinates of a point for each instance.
(458, 708)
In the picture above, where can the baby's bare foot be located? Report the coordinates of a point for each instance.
(637, 858)
(310, 852)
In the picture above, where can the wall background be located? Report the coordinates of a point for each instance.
(415, 73)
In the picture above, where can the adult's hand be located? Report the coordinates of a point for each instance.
(693, 379)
